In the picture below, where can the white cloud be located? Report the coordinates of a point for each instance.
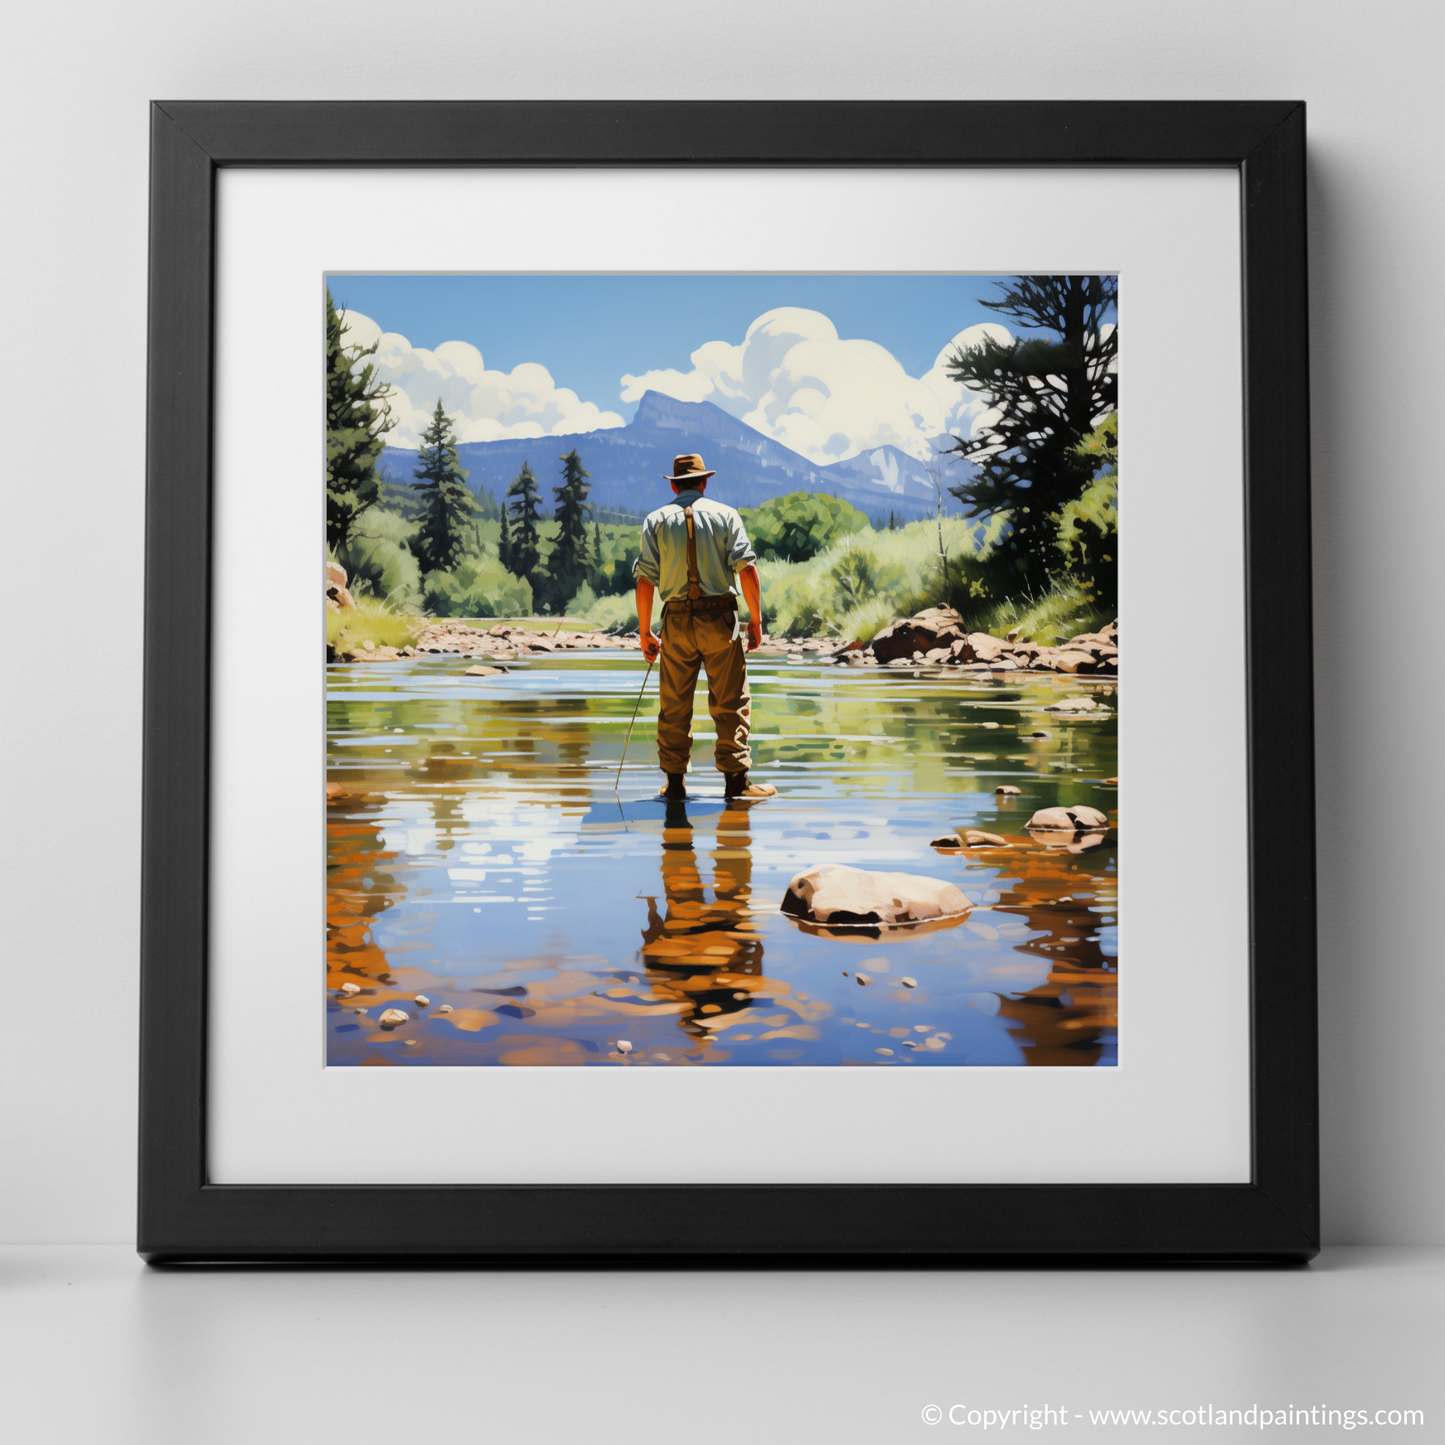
(794, 379)
(484, 405)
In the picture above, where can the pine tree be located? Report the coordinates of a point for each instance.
(524, 501)
(504, 543)
(446, 502)
(891, 523)
(1048, 394)
(595, 560)
(567, 566)
(357, 420)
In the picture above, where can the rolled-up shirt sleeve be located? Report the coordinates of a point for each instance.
(740, 553)
(648, 564)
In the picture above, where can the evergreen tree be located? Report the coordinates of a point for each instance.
(891, 524)
(446, 502)
(567, 566)
(1049, 393)
(596, 558)
(504, 542)
(524, 500)
(357, 420)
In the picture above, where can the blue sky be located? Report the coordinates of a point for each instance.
(590, 330)
(827, 365)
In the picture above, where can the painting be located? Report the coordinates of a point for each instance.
(721, 670)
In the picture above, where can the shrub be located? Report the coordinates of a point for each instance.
(800, 525)
(479, 587)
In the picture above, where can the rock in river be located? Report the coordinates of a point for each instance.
(1077, 819)
(976, 838)
(1007, 789)
(835, 893)
(349, 990)
(480, 671)
(391, 1018)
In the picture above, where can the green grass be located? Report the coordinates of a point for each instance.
(371, 620)
(1066, 610)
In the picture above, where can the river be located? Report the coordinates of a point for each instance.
(484, 857)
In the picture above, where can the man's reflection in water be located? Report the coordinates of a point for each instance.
(704, 954)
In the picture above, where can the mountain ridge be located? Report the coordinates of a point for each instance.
(629, 464)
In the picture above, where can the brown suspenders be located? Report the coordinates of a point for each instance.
(694, 581)
(697, 600)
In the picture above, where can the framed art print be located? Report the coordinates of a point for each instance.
(888, 903)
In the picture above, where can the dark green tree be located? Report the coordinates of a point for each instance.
(446, 503)
(1088, 534)
(504, 542)
(524, 505)
(567, 566)
(357, 421)
(1048, 392)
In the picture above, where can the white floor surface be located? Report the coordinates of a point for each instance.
(96, 1348)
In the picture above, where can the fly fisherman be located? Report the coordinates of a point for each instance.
(694, 549)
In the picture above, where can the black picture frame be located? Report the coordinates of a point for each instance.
(184, 1217)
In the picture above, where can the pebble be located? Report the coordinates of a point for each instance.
(349, 990)
(988, 725)
(889, 1052)
(976, 839)
(409, 1043)
(359, 1012)
(392, 1017)
(422, 999)
(624, 1046)
(446, 1008)
(908, 982)
(865, 978)
(944, 840)
(1007, 789)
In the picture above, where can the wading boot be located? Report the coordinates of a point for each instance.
(736, 785)
(676, 790)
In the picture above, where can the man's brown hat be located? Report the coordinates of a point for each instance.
(689, 468)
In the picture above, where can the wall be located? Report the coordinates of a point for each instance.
(77, 77)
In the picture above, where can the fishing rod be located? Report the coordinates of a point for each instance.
(617, 786)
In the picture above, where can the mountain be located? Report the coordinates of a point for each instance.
(629, 464)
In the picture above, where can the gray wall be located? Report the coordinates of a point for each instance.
(77, 79)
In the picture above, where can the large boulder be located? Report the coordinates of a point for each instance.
(338, 599)
(834, 893)
(934, 627)
(1077, 819)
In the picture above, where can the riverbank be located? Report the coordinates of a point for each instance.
(936, 639)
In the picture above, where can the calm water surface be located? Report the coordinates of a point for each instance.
(482, 858)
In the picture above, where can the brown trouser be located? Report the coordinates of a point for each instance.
(703, 640)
